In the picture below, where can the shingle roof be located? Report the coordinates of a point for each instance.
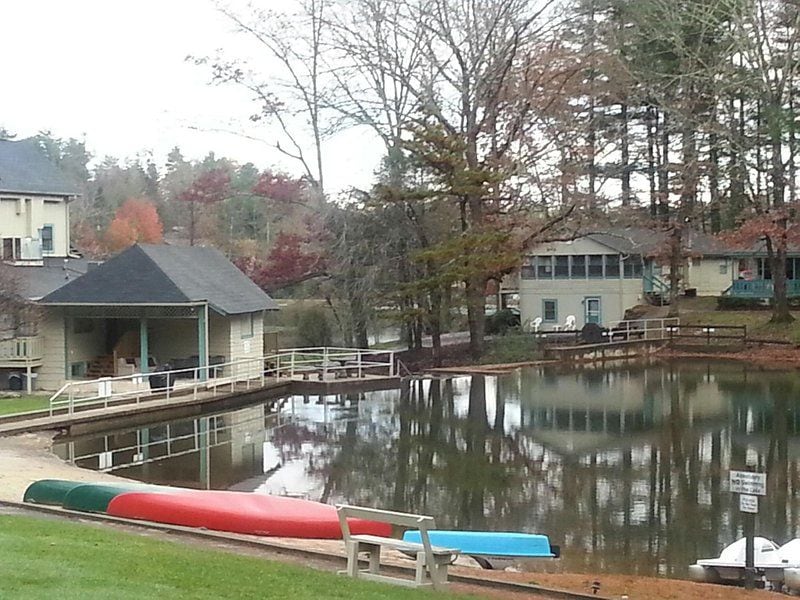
(24, 168)
(150, 274)
(37, 281)
(640, 240)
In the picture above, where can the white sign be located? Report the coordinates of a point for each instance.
(745, 482)
(748, 504)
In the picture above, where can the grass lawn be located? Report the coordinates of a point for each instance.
(12, 405)
(511, 348)
(46, 558)
(702, 311)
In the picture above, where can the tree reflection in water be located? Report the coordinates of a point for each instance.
(626, 468)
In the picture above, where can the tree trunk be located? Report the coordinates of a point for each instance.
(663, 172)
(652, 124)
(675, 263)
(625, 152)
(476, 314)
(777, 251)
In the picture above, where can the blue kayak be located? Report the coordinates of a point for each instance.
(490, 543)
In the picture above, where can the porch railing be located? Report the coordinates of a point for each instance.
(321, 363)
(642, 329)
(761, 288)
(21, 350)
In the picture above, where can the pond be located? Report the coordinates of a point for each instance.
(626, 468)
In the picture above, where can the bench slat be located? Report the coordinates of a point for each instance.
(400, 544)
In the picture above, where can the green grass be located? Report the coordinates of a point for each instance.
(511, 348)
(20, 404)
(702, 311)
(46, 558)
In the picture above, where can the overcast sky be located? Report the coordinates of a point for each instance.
(114, 72)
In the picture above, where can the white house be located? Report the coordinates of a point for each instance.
(598, 277)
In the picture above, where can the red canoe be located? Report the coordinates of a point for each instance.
(240, 512)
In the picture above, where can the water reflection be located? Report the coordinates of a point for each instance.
(625, 468)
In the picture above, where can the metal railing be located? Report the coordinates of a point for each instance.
(323, 363)
(21, 350)
(642, 329)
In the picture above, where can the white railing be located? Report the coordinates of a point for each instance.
(21, 349)
(319, 363)
(642, 329)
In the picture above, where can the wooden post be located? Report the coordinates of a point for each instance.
(202, 342)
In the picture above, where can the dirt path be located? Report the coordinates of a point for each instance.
(27, 458)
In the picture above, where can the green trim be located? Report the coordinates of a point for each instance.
(144, 350)
(586, 300)
(544, 311)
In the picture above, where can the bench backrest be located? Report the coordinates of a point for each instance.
(421, 522)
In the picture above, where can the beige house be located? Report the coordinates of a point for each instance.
(189, 308)
(598, 277)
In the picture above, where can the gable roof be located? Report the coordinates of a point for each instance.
(24, 168)
(640, 240)
(150, 274)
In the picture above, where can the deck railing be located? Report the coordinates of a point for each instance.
(21, 350)
(322, 363)
(761, 288)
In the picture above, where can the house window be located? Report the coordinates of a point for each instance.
(633, 267)
(612, 265)
(528, 271)
(544, 267)
(596, 266)
(46, 238)
(550, 311)
(249, 326)
(77, 370)
(578, 267)
(562, 267)
(12, 248)
(723, 268)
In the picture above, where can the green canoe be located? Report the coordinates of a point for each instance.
(49, 491)
(94, 497)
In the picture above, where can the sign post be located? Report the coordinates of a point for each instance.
(749, 486)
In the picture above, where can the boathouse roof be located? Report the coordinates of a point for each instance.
(166, 275)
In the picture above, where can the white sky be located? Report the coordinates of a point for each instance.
(114, 72)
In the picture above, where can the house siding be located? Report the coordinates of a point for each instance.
(704, 275)
(247, 346)
(24, 215)
(51, 375)
(616, 294)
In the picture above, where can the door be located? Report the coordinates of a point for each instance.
(593, 313)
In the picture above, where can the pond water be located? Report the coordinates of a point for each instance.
(625, 468)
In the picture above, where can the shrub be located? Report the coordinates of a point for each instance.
(313, 327)
(501, 321)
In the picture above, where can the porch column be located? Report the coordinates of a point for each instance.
(202, 342)
(144, 350)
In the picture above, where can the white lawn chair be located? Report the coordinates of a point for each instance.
(532, 325)
(570, 323)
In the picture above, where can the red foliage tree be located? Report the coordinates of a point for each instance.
(292, 260)
(210, 187)
(280, 188)
(136, 220)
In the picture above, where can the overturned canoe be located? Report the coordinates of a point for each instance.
(486, 545)
(241, 512)
(49, 491)
(94, 497)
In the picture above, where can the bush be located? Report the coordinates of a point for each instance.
(501, 321)
(313, 327)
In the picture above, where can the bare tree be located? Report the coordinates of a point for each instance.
(289, 82)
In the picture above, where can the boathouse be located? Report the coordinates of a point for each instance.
(148, 307)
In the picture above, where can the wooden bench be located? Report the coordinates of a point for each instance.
(430, 560)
